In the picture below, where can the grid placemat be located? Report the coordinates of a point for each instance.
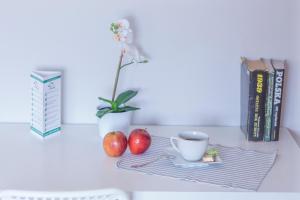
(244, 169)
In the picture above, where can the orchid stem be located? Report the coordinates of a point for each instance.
(130, 63)
(126, 64)
(117, 77)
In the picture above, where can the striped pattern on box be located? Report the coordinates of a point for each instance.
(45, 102)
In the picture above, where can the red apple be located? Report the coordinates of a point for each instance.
(115, 143)
(139, 141)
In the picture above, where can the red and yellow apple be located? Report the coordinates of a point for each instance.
(115, 143)
(139, 141)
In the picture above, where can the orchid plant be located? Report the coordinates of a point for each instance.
(122, 34)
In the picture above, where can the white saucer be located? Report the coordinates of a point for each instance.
(180, 162)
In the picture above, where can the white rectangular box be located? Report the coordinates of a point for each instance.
(45, 102)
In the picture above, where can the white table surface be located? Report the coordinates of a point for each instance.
(75, 160)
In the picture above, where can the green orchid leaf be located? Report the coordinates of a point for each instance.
(114, 106)
(144, 61)
(125, 97)
(106, 100)
(103, 112)
(127, 108)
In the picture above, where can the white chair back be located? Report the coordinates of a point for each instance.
(104, 194)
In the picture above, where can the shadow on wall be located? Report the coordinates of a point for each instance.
(287, 91)
(295, 136)
(135, 42)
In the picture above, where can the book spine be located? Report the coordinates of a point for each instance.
(257, 105)
(269, 107)
(245, 99)
(277, 102)
(251, 106)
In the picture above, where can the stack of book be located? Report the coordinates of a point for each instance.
(261, 98)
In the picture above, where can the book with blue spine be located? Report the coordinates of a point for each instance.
(269, 100)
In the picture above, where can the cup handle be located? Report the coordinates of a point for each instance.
(174, 144)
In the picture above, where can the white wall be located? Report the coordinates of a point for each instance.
(292, 106)
(194, 48)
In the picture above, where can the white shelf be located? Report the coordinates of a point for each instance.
(75, 161)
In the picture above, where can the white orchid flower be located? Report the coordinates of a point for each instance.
(123, 24)
(131, 54)
(123, 35)
(122, 31)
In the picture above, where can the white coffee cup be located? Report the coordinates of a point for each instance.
(192, 145)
